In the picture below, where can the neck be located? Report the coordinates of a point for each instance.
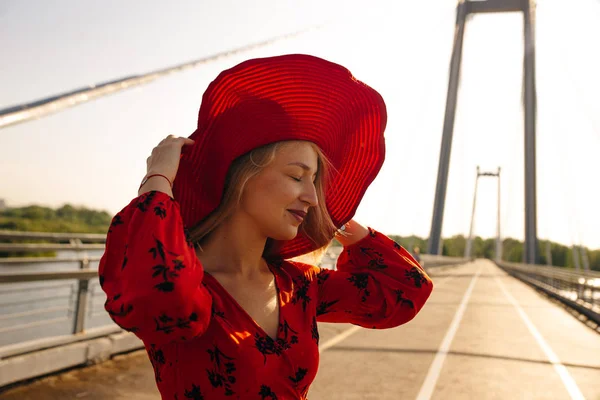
(234, 248)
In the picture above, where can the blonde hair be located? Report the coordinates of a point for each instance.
(317, 226)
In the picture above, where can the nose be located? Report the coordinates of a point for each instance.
(309, 195)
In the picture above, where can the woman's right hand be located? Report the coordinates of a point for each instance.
(164, 160)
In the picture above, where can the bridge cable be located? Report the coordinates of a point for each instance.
(40, 108)
(584, 108)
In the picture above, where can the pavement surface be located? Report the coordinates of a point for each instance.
(482, 335)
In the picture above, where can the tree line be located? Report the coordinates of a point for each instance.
(66, 219)
(71, 219)
(512, 250)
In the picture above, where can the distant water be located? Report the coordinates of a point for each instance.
(34, 310)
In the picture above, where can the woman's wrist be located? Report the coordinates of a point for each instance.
(353, 233)
(155, 182)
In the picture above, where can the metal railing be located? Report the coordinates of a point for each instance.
(70, 241)
(427, 261)
(60, 280)
(31, 292)
(579, 290)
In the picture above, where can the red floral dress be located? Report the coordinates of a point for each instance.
(200, 341)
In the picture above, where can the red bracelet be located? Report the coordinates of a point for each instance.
(150, 176)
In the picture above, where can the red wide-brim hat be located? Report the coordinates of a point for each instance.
(290, 97)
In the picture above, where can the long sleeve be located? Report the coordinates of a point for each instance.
(151, 275)
(377, 284)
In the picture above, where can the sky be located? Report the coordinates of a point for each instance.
(94, 155)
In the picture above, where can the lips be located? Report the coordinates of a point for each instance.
(299, 214)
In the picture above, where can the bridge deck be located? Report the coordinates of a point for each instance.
(482, 335)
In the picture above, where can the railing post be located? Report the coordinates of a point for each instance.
(82, 298)
(580, 289)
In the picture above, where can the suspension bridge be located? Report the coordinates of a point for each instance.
(493, 329)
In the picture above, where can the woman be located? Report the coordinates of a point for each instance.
(200, 270)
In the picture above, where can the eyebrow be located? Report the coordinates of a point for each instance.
(302, 165)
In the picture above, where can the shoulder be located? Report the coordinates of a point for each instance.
(297, 268)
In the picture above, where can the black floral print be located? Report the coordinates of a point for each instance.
(160, 211)
(217, 313)
(417, 276)
(314, 330)
(376, 261)
(267, 346)
(116, 221)
(157, 358)
(145, 201)
(400, 299)
(167, 325)
(325, 307)
(361, 281)
(168, 274)
(267, 393)
(322, 276)
(301, 294)
(221, 376)
(297, 378)
(124, 258)
(123, 310)
(194, 393)
(197, 338)
(290, 336)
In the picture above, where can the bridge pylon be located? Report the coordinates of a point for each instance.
(463, 9)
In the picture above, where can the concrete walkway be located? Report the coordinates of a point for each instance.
(482, 335)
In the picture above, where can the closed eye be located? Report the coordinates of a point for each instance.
(296, 179)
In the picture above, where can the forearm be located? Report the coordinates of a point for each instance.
(150, 274)
(389, 284)
(376, 284)
(354, 232)
(157, 183)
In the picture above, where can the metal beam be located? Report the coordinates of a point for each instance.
(465, 7)
(498, 232)
(35, 247)
(46, 276)
(6, 234)
(495, 6)
(434, 243)
(529, 100)
(469, 245)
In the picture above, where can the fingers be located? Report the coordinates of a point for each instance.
(165, 157)
(172, 139)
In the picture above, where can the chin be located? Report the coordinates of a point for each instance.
(285, 234)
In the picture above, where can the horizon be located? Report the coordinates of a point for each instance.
(425, 238)
(93, 154)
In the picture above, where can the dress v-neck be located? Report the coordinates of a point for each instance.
(232, 299)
